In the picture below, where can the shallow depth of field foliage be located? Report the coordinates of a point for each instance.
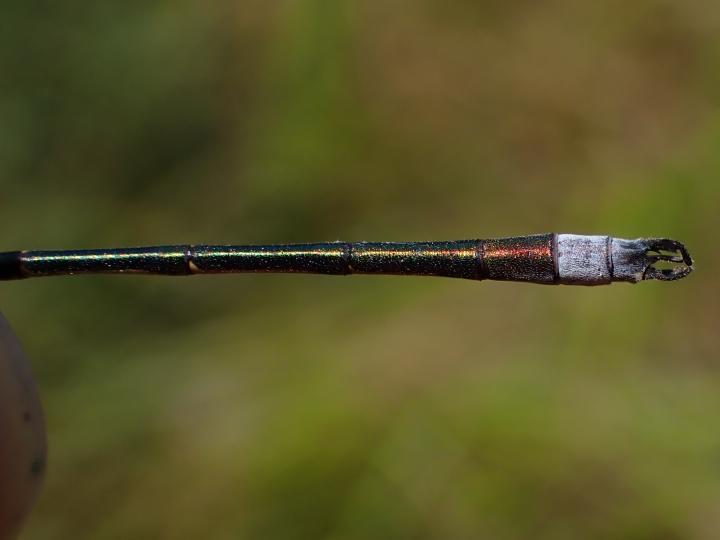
(310, 407)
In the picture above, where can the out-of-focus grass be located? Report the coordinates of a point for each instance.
(316, 407)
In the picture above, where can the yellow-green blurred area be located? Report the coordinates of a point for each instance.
(314, 407)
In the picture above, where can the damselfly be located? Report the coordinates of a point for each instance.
(547, 258)
(544, 258)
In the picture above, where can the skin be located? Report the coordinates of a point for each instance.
(22, 435)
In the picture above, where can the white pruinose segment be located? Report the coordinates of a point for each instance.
(584, 260)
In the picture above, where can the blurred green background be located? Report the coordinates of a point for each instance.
(310, 407)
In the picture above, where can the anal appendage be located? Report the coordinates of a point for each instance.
(598, 260)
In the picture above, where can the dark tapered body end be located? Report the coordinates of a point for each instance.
(11, 266)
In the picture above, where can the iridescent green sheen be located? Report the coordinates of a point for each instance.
(526, 259)
(531, 258)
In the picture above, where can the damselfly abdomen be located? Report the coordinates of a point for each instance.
(544, 258)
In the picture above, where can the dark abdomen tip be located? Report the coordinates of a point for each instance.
(11, 266)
